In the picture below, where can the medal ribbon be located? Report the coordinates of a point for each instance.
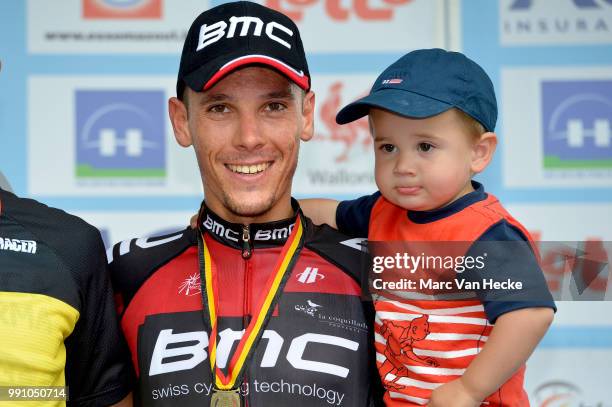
(274, 286)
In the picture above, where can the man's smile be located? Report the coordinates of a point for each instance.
(249, 168)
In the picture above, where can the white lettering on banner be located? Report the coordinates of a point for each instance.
(209, 34)
(166, 347)
(298, 346)
(18, 245)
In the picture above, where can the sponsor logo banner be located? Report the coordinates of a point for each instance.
(555, 22)
(576, 118)
(103, 26)
(120, 134)
(117, 9)
(366, 25)
(557, 125)
(159, 26)
(105, 136)
(339, 159)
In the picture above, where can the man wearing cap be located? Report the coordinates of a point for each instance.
(257, 306)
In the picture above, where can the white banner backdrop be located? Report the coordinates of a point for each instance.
(339, 159)
(160, 26)
(557, 126)
(105, 136)
(109, 26)
(555, 22)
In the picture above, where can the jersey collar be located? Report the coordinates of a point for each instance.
(267, 234)
(460, 204)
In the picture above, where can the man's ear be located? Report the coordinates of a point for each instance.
(308, 109)
(180, 122)
(482, 152)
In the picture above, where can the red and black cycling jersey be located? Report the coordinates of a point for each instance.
(316, 349)
(57, 314)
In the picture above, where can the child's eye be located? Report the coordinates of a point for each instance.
(388, 148)
(425, 147)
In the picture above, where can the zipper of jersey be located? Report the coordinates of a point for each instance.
(246, 255)
(246, 242)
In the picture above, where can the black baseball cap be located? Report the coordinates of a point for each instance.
(236, 34)
(427, 82)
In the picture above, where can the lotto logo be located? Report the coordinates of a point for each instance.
(336, 9)
(118, 9)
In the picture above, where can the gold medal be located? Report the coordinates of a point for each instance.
(225, 398)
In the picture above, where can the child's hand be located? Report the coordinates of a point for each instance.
(452, 394)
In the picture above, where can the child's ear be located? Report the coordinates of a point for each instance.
(482, 152)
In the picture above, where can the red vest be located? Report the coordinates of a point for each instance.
(412, 366)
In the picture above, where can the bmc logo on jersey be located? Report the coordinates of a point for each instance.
(209, 34)
(122, 9)
(184, 351)
(310, 275)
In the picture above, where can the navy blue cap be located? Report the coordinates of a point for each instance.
(427, 82)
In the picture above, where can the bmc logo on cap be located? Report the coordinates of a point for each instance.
(209, 34)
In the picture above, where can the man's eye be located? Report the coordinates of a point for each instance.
(275, 106)
(389, 148)
(425, 147)
(218, 109)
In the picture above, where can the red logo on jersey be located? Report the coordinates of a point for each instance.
(399, 350)
(336, 10)
(349, 134)
(113, 9)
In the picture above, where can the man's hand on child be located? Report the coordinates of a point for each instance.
(454, 394)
